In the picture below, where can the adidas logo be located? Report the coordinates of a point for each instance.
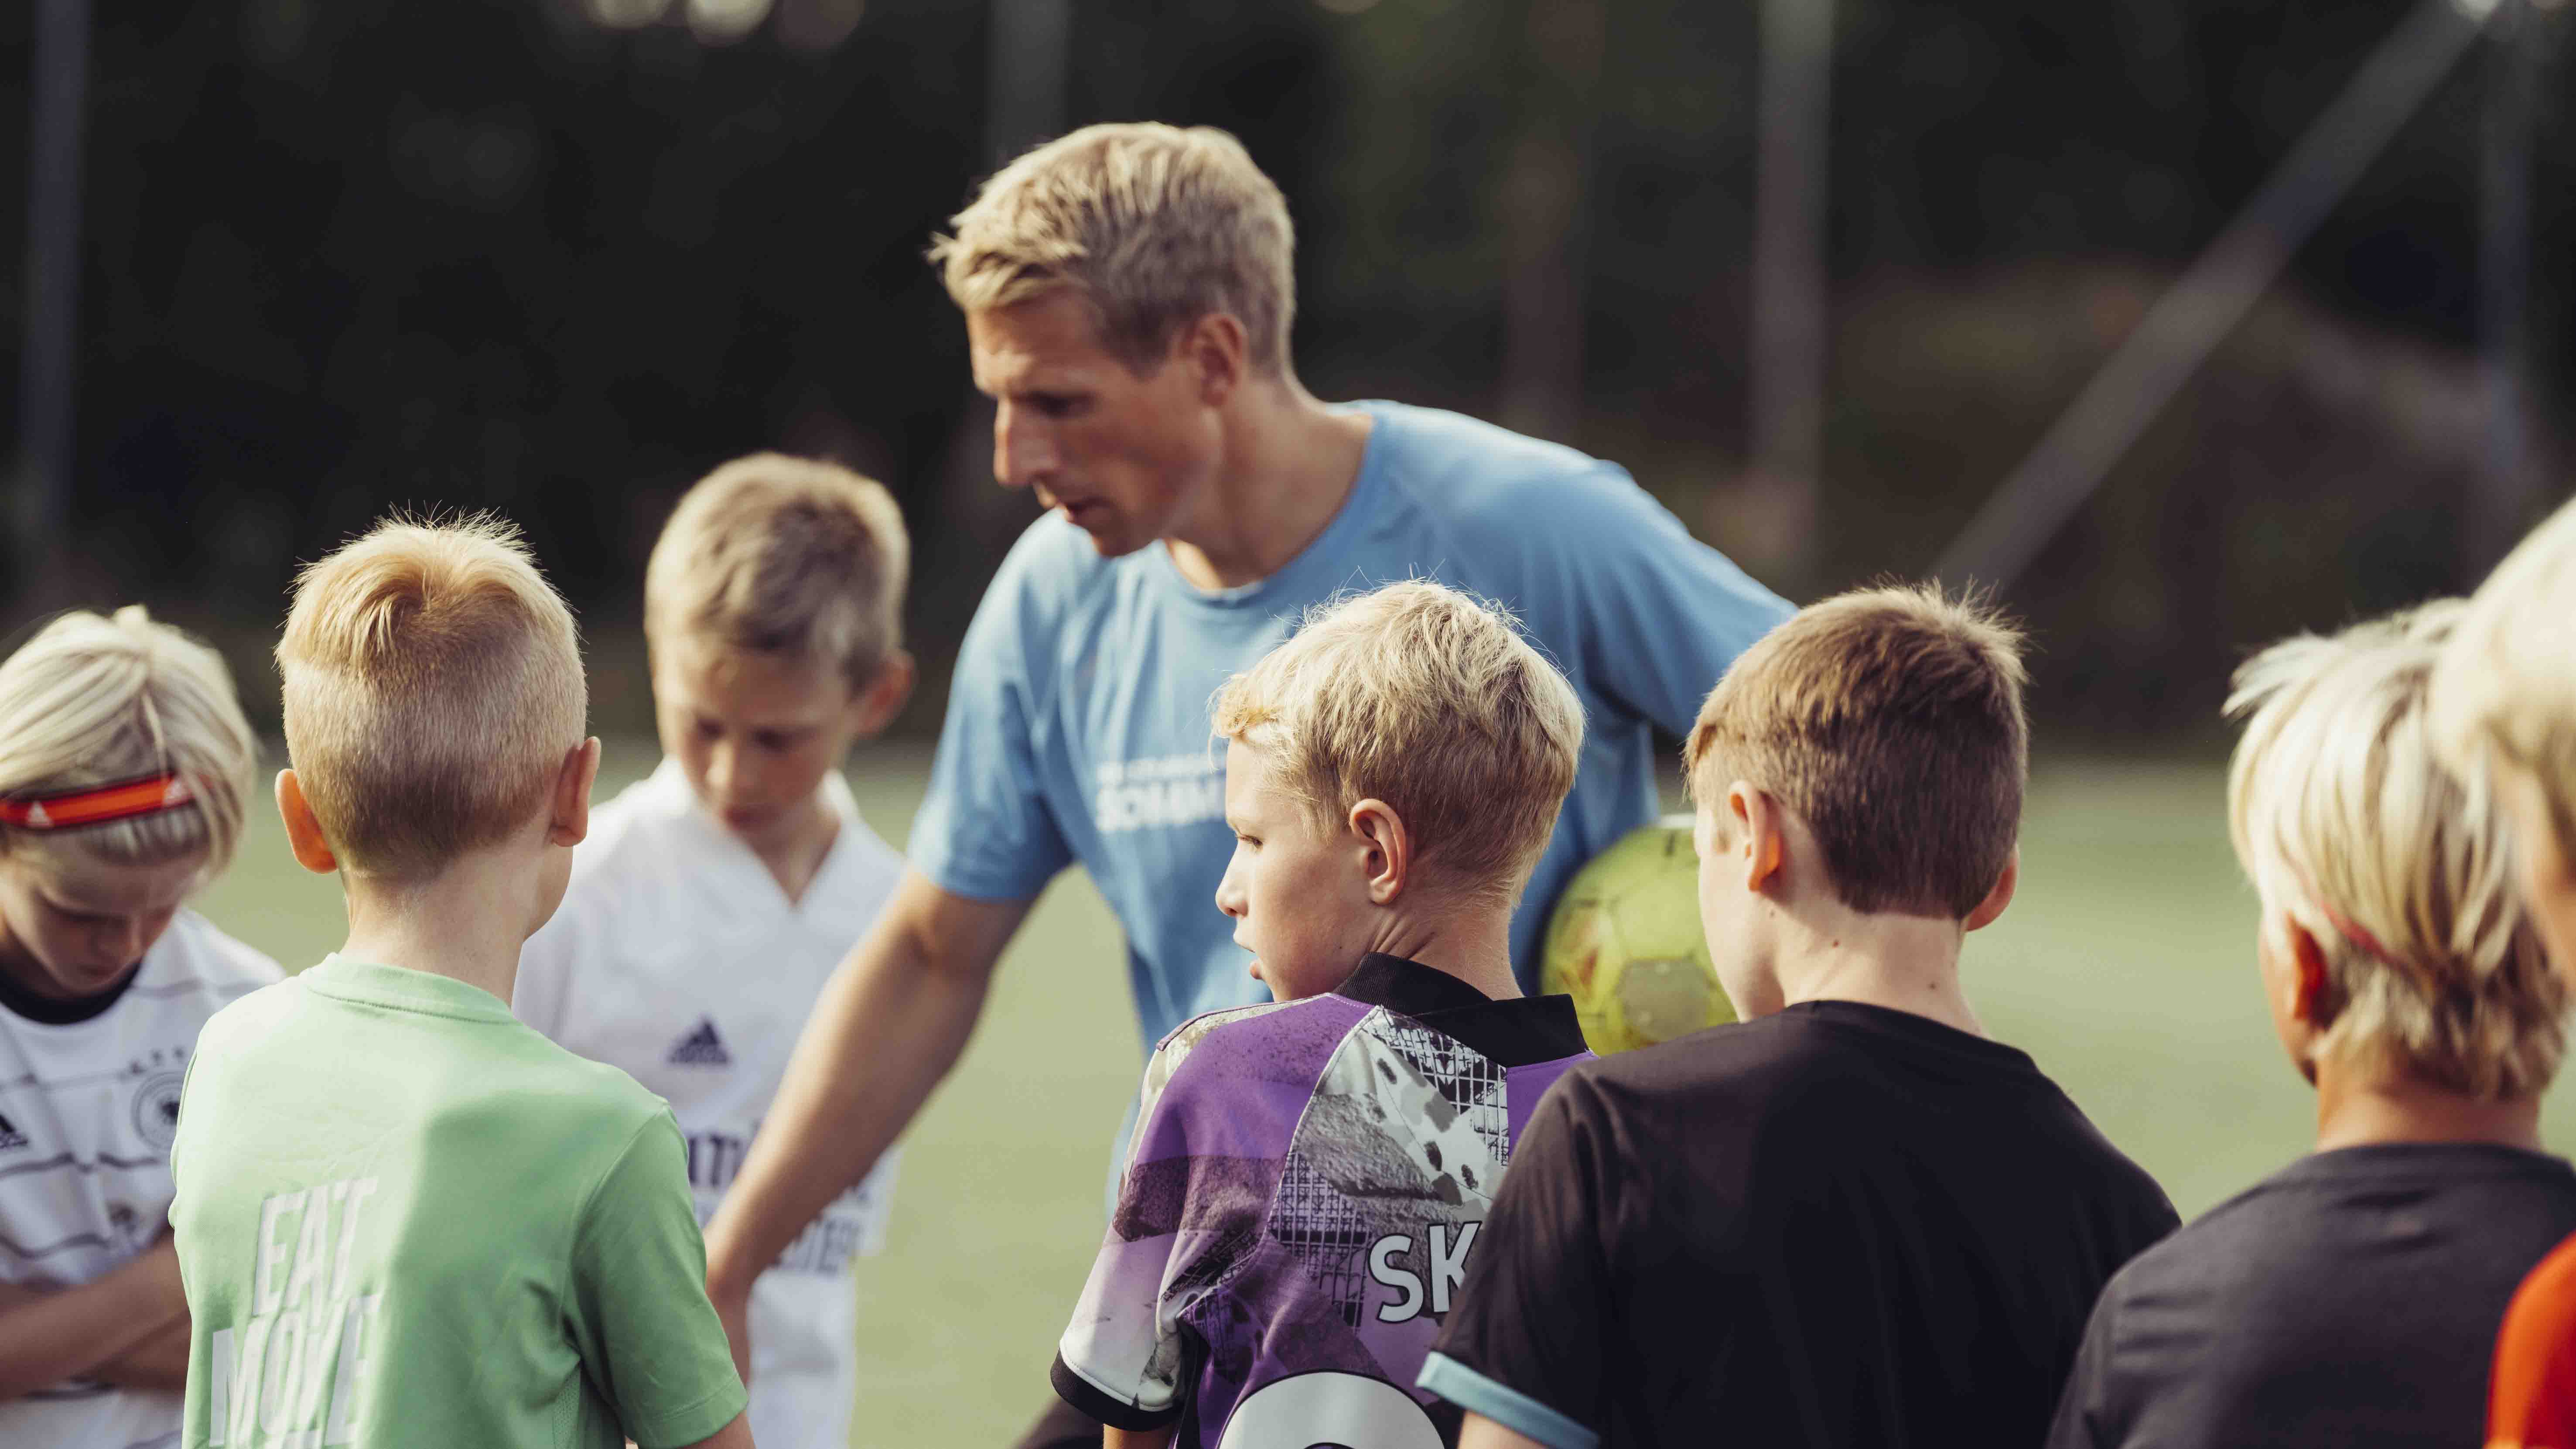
(701, 1047)
(10, 1137)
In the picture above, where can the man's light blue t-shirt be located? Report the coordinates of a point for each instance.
(1078, 726)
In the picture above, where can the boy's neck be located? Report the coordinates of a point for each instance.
(2355, 1112)
(1473, 945)
(467, 923)
(1886, 959)
(794, 851)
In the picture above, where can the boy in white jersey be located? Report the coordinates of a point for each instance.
(713, 898)
(124, 765)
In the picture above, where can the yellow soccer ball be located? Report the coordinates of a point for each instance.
(1625, 943)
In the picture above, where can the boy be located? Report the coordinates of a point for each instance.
(1309, 1176)
(2504, 709)
(1850, 1218)
(712, 900)
(404, 1218)
(2352, 1298)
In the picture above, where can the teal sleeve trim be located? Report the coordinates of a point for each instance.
(1504, 1405)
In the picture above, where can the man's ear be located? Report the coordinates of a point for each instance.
(1387, 849)
(886, 694)
(570, 820)
(1761, 836)
(2308, 1004)
(1218, 354)
(1998, 897)
(303, 828)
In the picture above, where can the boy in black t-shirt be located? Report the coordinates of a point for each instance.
(1850, 1219)
(2352, 1298)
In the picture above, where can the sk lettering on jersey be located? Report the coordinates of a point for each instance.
(289, 1373)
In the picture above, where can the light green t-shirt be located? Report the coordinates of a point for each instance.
(406, 1219)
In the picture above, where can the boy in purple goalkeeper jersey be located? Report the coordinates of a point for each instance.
(1309, 1176)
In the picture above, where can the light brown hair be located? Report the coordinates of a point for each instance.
(780, 555)
(2348, 823)
(1890, 720)
(2504, 693)
(1430, 700)
(433, 689)
(1155, 226)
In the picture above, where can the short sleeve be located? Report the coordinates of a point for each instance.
(648, 1336)
(1523, 1346)
(2084, 1409)
(985, 831)
(2531, 1401)
(1660, 615)
(1184, 1205)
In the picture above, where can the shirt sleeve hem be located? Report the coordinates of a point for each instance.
(697, 1422)
(959, 879)
(1507, 1406)
(1090, 1398)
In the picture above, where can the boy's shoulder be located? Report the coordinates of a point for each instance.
(1265, 1041)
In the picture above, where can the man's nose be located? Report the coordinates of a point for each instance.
(1022, 453)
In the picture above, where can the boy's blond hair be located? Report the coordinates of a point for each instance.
(1154, 225)
(1427, 699)
(2346, 820)
(1890, 720)
(94, 701)
(779, 555)
(2504, 692)
(433, 689)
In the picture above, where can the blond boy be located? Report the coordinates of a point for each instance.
(1851, 1218)
(1309, 1176)
(713, 898)
(2504, 712)
(404, 1218)
(2406, 984)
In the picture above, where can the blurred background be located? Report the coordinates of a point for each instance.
(2183, 324)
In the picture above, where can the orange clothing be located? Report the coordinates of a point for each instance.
(2531, 1399)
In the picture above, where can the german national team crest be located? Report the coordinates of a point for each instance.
(156, 1109)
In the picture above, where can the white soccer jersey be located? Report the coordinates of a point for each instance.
(676, 957)
(87, 1111)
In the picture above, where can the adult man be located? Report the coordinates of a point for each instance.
(1127, 294)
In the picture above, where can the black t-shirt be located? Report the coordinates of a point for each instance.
(1835, 1225)
(2351, 1299)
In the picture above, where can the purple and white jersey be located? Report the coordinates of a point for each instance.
(1307, 1182)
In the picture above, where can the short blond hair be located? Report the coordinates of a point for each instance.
(1890, 720)
(2345, 819)
(1155, 226)
(1430, 700)
(95, 701)
(433, 689)
(2504, 692)
(780, 555)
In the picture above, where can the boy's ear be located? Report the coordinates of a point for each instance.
(1999, 897)
(569, 822)
(2308, 989)
(886, 694)
(1761, 836)
(303, 828)
(1387, 852)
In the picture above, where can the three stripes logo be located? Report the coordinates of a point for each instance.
(11, 1139)
(701, 1047)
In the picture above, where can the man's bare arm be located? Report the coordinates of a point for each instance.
(891, 1023)
(1480, 1432)
(159, 1362)
(77, 1331)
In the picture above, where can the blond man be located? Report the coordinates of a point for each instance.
(1310, 1176)
(1851, 1218)
(2352, 1297)
(404, 1218)
(1128, 297)
(2504, 713)
(712, 899)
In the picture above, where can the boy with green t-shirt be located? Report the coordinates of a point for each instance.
(402, 1217)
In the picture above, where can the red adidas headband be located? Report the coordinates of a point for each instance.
(97, 804)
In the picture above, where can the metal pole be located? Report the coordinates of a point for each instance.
(2503, 502)
(1789, 314)
(49, 361)
(1026, 103)
(2198, 311)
